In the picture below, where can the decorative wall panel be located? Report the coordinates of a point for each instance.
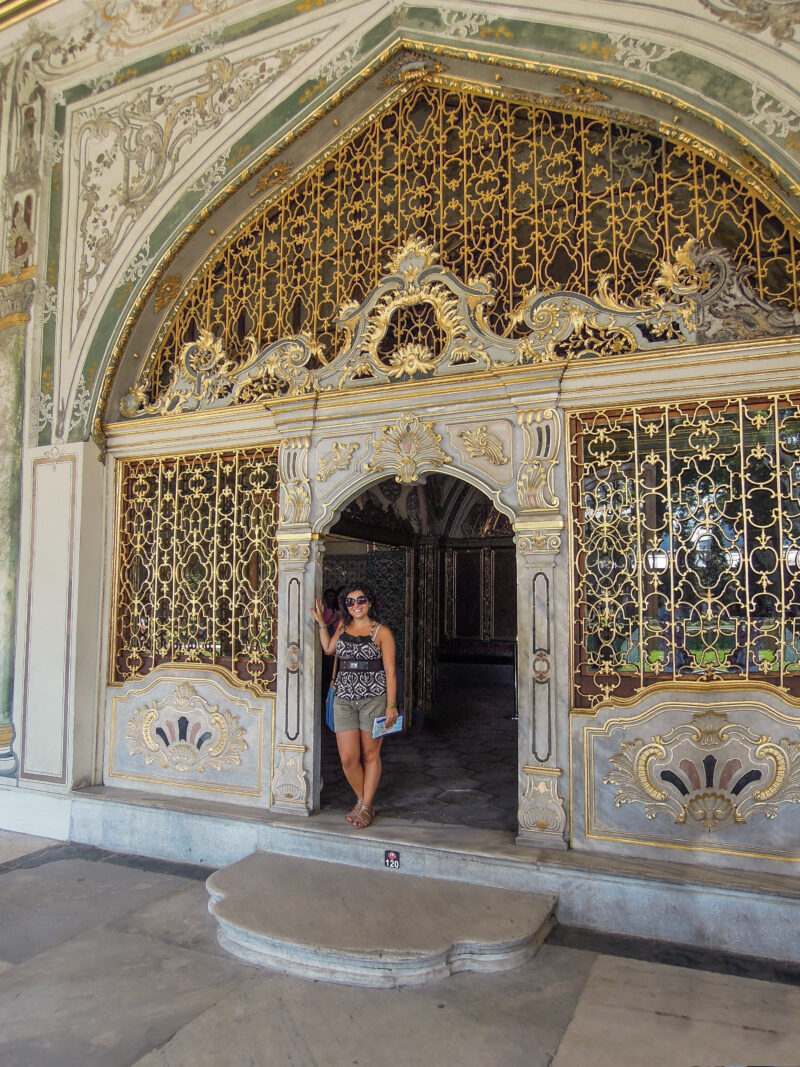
(713, 769)
(187, 730)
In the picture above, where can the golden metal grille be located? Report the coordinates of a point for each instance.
(538, 198)
(686, 544)
(196, 577)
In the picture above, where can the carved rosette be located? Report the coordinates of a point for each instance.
(183, 731)
(541, 810)
(405, 447)
(708, 774)
(290, 783)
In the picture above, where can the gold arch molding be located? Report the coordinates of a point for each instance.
(394, 79)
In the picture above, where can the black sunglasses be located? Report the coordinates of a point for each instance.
(350, 600)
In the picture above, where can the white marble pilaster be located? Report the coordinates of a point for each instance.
(296, 732)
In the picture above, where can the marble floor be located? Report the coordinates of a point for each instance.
(111, 960)
(451, 769)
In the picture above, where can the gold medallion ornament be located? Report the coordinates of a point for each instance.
(405, 447)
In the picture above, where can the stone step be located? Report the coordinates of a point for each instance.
(338, 923)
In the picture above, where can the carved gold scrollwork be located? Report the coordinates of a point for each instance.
(204, 377)
(295, 489)
(419, 320)
(404, 447)
(481, 443)
(709, 773)
(542, 432)
(338, 459)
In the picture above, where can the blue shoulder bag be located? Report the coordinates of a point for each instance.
(329, 699)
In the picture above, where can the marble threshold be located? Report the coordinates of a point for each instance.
(745, 912)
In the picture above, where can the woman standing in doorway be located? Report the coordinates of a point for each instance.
(365, 688)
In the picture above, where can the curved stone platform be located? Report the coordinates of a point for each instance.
(373, 927)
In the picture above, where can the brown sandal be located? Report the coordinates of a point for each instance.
(354, 813)
(364, 817)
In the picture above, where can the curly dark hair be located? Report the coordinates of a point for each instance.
(374, 603)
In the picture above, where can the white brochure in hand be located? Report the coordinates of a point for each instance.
(379, 728)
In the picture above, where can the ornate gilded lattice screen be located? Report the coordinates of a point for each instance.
(196, 568)
(686, 544)
(538, 198)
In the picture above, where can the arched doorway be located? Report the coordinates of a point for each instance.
(442, 558)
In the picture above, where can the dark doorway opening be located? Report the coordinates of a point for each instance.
(443, 560)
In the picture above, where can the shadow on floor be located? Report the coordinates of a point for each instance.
(458, 766)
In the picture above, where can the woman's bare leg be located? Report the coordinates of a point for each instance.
(349, 744)
(371, 758)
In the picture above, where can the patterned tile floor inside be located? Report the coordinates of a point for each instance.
(458, 766)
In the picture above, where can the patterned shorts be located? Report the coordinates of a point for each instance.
(357, 714)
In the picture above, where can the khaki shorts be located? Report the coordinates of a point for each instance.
(357, 714)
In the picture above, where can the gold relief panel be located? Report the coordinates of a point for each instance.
(718, 773)
(335, 456)
(188, 731)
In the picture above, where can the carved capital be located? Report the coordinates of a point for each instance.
(15, 300)
(293, 549)
(537, 537)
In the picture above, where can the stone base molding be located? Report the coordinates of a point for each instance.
(542, 819)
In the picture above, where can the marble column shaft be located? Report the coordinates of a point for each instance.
(15, 295)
